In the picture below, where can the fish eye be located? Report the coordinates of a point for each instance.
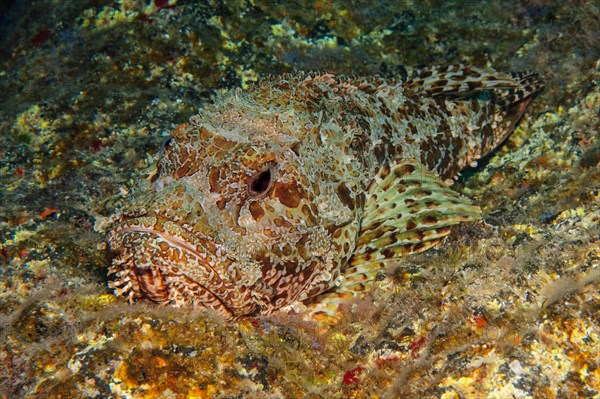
(260, 183)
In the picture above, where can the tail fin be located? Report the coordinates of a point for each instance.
(527, 84)
(515, 100)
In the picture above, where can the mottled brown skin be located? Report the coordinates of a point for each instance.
(256, 205)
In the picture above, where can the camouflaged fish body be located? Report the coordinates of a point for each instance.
(309, 184)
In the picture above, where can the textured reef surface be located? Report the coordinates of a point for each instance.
(508, 307)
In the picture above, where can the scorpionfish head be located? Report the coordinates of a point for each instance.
(234, 222)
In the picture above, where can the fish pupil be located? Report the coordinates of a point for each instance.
(260, 183)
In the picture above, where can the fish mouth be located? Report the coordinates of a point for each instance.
(166, 263)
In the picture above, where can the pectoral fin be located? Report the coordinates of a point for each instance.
(408, 210)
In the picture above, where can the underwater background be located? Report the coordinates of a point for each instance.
(90, 89)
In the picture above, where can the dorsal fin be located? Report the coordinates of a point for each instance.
(460, 80)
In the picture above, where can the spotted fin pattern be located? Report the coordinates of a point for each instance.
(527, 84)
(408, 210)
(457, 80)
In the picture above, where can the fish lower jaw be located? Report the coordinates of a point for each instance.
(166, 269)
(147, 282)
